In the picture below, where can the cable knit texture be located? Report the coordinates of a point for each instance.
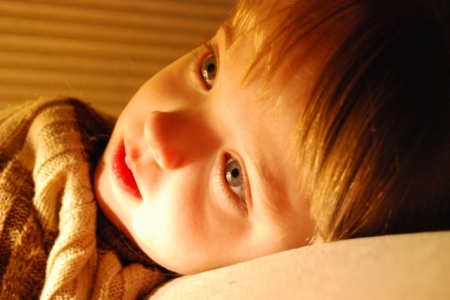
(54, 242)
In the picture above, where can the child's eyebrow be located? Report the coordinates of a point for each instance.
(229, 34)
(271, 188)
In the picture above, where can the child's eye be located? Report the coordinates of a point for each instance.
(209, 69)
(235, 178)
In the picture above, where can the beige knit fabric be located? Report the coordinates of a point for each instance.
(50, 244)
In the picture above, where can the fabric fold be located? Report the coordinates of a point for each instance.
(51, 243)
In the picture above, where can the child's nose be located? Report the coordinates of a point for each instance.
(177, 137)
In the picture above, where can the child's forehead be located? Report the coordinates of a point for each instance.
(281, 35)
(281, 29)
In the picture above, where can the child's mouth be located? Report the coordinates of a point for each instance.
(123, 175)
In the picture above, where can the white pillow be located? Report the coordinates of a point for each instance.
(406, 266)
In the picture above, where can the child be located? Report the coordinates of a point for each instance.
(299, 121)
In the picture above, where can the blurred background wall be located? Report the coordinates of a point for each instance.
(100, 51)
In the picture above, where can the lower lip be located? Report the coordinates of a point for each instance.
(123, 175)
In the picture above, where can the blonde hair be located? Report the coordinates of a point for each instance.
(374, 138)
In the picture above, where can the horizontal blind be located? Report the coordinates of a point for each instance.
(100, 51)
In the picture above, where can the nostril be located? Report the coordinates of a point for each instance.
(175, 137)
(162, 135)
(149, 127)
(156, 129)
(157, 157)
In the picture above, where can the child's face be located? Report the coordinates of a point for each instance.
(201, 173)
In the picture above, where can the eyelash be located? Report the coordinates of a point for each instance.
(201, 54)
(239, 202)
(209, 46)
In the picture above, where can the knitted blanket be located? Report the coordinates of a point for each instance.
(54, 242)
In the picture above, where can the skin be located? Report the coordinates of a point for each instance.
(183, 134)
